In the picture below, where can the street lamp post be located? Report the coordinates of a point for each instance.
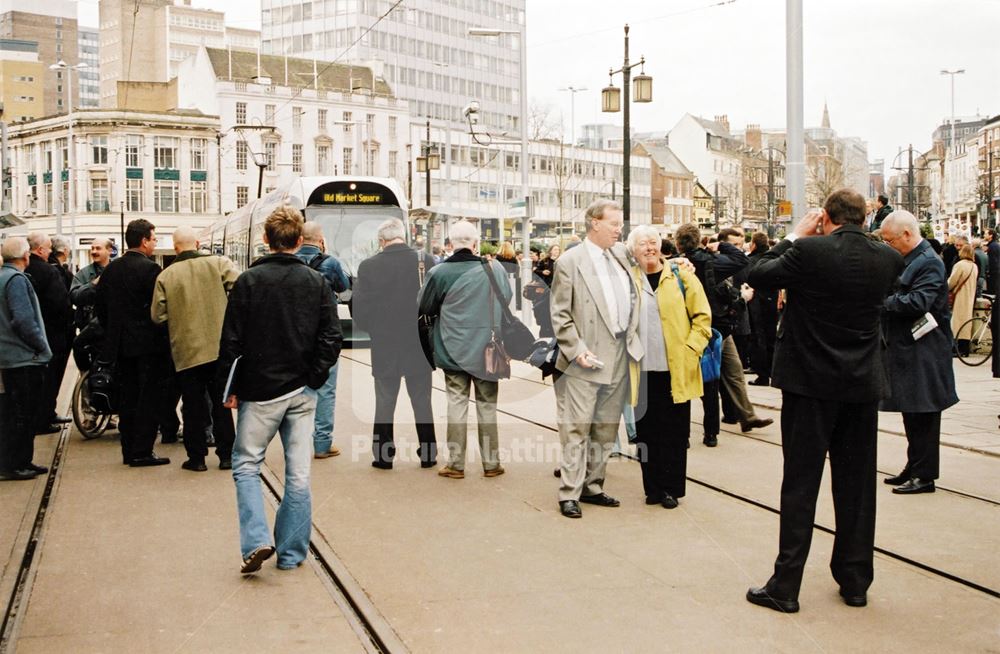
(523, 110)
(426, 162)
(950, 151)
(611, 102)
(70, 206)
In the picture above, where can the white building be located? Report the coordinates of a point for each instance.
(711, 152)
(89, 75)
(123, 165)
(429, 58)
(293, 117)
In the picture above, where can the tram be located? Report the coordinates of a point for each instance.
(350, 209)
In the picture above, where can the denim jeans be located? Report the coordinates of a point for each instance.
(256, 425)
(326, 401)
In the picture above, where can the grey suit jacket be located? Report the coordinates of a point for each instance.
(580, 317)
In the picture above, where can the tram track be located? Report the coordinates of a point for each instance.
(897, 556)
(373, 630)
(17, 601)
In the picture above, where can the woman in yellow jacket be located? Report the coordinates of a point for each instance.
(675, 326)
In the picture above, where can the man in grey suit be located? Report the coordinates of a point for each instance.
(595, 321)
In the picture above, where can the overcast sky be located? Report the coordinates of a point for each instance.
(875, 62)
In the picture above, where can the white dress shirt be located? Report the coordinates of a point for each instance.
(611, 298)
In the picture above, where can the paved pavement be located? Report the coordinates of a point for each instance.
(147, 560)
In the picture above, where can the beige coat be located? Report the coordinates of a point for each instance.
(965, 299)
(190, 296)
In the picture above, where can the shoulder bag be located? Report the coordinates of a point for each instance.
(425, 323)
(953, 293)
(711, 358)
(516, 338)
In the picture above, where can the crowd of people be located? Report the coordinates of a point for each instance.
(625, 328)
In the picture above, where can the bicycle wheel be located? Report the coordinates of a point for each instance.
(90, 423)
(980, 341)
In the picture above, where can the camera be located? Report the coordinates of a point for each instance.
(471, 111)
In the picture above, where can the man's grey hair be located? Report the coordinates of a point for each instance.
(596, 211)
(60, 244)
(14, 249)
(392, 229)
(312, 233)
(463, 235)
(37, 239)
(643, 233)
(902, 220)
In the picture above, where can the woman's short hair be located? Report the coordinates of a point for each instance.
(283, 228)
(463, 235)
(967, 252)
(506, 251)
(392, 229)
(642, 233)
(596, 211)
(687, 238)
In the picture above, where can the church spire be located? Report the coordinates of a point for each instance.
(826, 116)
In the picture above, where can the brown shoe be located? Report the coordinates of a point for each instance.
(754, 423)
(333, 451)
(451, 473)
(495, 472)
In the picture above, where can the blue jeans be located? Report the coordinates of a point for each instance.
(256, 425)
(326, 401)
(629, 413)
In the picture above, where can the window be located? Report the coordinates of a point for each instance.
(133, 151)
(133, 194)
(296, 157)
(321, 119)
(165, 152)
(165, 195)
(49, 207)
(99, 149)
(393, 156)
(198, 150)
(271, 152)
(297, 117)
(347, 122)
(372, 156)
(392, 129)
(242, 193)
(98, 195)
(348, 161)
(199, 197)
(241, 155)
(370, 119)
(47, 155)
(322, 159)
(63, 146)
(269, 114)
(241, 113)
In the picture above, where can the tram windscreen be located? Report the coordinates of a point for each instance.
(351, 232)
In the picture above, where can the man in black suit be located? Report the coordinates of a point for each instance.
(384, 304)
(828, 363)
(138, 346)
(57, 312)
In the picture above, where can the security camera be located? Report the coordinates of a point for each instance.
(471, 111)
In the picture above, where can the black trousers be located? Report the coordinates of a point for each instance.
(662, 429)
(762, 342)
(710, 405)
(53, 380)
(810, 428)
(418, 387)
(923, 444)
(170, 394)
(203, 410)
(19, 402)
(141, 389)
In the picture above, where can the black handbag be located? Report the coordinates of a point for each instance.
(425, 324)
(516, 338)
(102, 388)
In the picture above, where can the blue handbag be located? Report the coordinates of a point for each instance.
(711, 358)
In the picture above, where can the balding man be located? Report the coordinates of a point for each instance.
(83, 290)
(57, 311)
(191, 296)
(920, 370)
(24, 352)
(313, 253)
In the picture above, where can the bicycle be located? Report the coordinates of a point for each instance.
(980, 336)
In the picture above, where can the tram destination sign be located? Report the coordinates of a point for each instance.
(353, 197)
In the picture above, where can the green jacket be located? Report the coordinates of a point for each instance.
(191, 296)
(457, 294)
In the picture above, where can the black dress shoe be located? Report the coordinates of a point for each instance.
(194, 466)
(710, 440)
(901, 478)
(854, 599)
(760, 597)
(601, 499)
(18, 475)
(49, 429)
(41, 470)
(428, 464)
(382, 465)
(148, 461)
(729, 421)
(556, 473)
(168, 440)
(914, 486)
(669, 501)
(570, 509)
(754, 423)
(650, 500)
(760, 381)
(60, 420)
(225, 464)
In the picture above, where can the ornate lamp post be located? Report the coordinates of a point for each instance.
(611, 103)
